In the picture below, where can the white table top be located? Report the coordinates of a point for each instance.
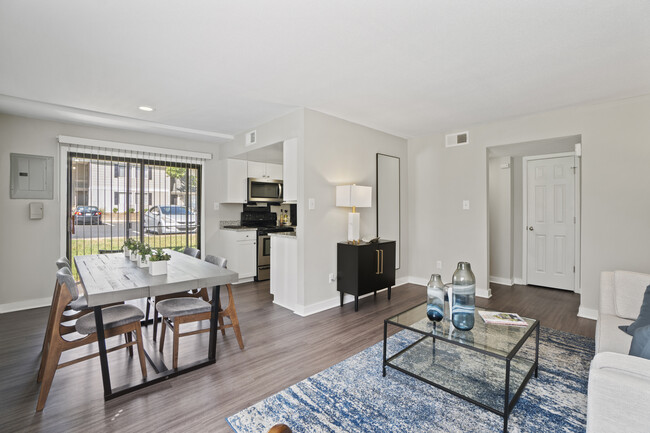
(109, 278)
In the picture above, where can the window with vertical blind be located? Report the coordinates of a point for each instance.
(115, 194)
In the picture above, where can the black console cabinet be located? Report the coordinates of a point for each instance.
(365, 268)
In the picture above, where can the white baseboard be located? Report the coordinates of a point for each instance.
(419, 281)
(501, 280)
(519, 281)
(588, 313)
(25, 305)
(306, 310)
(245, 280)
(483, 293)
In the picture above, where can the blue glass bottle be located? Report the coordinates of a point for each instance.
(463, 294)
(435, 298)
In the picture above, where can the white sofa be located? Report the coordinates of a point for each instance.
(619, 384)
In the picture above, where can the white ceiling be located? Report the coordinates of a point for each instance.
(213, 68)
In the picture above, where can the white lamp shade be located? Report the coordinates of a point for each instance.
(354, 196)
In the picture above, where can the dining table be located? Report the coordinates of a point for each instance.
(111, 278)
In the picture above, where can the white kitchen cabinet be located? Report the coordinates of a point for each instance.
(256, 170)
(290, 167)
(232, 181)
(262, 170)
(274, 171)
(240, 248)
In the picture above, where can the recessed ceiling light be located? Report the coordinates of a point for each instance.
(145, 108)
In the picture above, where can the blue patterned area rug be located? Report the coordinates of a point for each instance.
(352, 396)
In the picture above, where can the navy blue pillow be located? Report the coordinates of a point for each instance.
(641, 343)
(644, 315)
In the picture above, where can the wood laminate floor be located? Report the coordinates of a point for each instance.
(281, 349)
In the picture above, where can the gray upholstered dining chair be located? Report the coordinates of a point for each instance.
(193, 252)
(230, 312)
(62, 262)
(178, 311)
(118, 319)
(188, 251)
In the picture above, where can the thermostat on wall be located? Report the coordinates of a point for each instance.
(36, 211)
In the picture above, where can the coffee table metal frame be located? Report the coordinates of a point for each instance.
(508, 404)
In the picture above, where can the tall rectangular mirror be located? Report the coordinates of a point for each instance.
(388, 201)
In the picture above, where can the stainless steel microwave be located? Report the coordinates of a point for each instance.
(264, 190)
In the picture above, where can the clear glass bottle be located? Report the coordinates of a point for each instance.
(435, 298)
(463, 297)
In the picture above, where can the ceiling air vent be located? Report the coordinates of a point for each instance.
(251, 138)
(458, 139)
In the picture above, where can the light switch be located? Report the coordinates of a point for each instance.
(216, 205)
(312, 203)
(465, 204)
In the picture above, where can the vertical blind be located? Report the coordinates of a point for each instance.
(115, 194)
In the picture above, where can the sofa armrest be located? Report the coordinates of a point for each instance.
(619, 394)
(607, 296)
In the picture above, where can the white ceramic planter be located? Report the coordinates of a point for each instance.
(134, 255)
(127, 252)
(143, 264)
(158, 268)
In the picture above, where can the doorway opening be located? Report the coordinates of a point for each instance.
(535, 185)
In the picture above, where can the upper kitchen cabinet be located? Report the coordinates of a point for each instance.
(232, 181)
(290, 168)
(263, 170)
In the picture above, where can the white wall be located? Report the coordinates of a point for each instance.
(500, 216)
(615, 205)
(30, 248)
(340, 152)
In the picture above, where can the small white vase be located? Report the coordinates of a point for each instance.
(127, 252)
(158, 268)
(134, 255)
(143, 264)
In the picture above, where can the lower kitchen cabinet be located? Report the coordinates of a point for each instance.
(365, 268)
(240, 248)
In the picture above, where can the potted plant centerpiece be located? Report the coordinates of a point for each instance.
(135, 245)
(143, 253)
(128, 246)
(158, 262)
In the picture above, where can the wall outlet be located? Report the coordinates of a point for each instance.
(331, 278)
(465, 204)
(439, 264)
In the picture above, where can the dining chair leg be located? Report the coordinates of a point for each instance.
(235, 326)
(54, 353)
(139, 343)
(162, 335)
(44, 355)
(128, 337)
(220, 319)
(176, 329)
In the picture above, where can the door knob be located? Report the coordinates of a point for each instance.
(530, 228)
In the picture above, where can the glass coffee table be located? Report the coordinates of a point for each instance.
(489, 365)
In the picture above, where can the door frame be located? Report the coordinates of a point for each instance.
(577, 201)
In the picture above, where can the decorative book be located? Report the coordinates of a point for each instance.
(497, 318)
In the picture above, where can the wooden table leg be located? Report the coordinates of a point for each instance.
(103, 358)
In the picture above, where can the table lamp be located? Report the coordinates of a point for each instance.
(353, 196)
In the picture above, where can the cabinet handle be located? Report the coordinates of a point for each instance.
(378, 259)
(382, 261)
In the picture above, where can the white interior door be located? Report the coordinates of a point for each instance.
(550, 222)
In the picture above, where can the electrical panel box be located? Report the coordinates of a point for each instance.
(32, 176)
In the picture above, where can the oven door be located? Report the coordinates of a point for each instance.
(263, 250)
(264, 190)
